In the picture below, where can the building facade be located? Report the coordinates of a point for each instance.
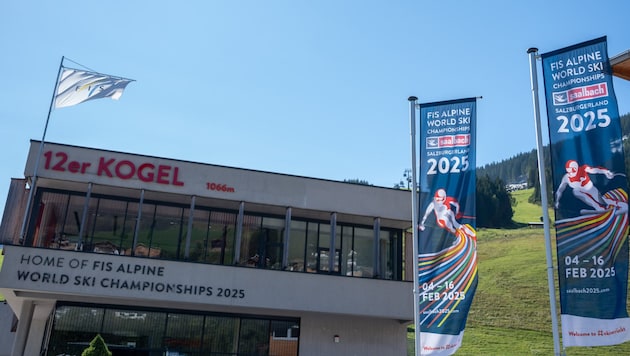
(170, 257)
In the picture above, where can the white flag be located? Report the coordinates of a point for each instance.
(76, 86)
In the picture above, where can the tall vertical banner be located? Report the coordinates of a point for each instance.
(590, 194)
(447, 240)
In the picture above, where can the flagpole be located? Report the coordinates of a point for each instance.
(39, 155)
(543, 199)
(414, 226)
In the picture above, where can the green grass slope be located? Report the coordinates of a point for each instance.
(510, 313)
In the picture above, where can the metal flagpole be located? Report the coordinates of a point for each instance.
(543, 197)
(39, 155)
(414, 225)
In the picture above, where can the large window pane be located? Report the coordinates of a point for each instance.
(134, 329)
(221, 335)
(348, 253)
(357, 251)
(364, 252)
(312, 251)
(212, 238)
(222, 233)
(199, 237)
(160, 233)
(168, 231)
(111, 229)
(323, 252)
(143, 332)
(50, 220)
(254, 337)
(261, 243)
(390, 254)
(249, 241)
(74, 328)
(272, 237)
(68, 232)
(145, 232)
(297, 246)
(183, 332)
(284, 338)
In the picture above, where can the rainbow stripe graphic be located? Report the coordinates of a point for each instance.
(446, 277)
(599, 234)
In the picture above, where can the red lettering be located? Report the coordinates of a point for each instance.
(176, 176)
(62, 161)
(149, 175)
(120, 169)
(126, 169)
(103, 167)
(163, 172)
(85, 166)
(74, 166)
(62, 164)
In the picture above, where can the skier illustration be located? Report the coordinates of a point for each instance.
(445, 217)
(578, 179)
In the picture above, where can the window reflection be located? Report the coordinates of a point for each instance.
(163, 232)
(147, 332)
(262, 242)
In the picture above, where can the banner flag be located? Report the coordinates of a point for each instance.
(447, 240)
(76, 86)
(591, 194)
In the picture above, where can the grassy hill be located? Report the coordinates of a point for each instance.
(510, 313)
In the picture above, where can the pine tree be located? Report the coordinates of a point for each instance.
(97, 348)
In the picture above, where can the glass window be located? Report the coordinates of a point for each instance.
(133, 329)
(212, 238)
(284, 338)
(183, 332)
(161, 232)
(221, 335)
(363, 252)
(249, 241)
(358, 251)
(349, 263)
(163, 228)
(272, 238)
(312, 252)
(262, 242)
(111, 230)
(145, 232)
(71, 223)
(48, 230)
(74, 328)
(199, 237)
(390, 259)
(323, 251)
(297, 246)
(145, 332)
(254, 337)
(169, 231)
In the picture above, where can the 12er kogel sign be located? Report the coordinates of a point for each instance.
(447, 245)
(590, 194)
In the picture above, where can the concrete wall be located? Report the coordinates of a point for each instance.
(42, 274)
(6, 336)
(69, 164)
(357, 336)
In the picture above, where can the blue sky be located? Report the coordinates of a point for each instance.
(310, 88)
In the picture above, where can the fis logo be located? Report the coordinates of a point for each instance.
(448, 141)
(586, 92)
